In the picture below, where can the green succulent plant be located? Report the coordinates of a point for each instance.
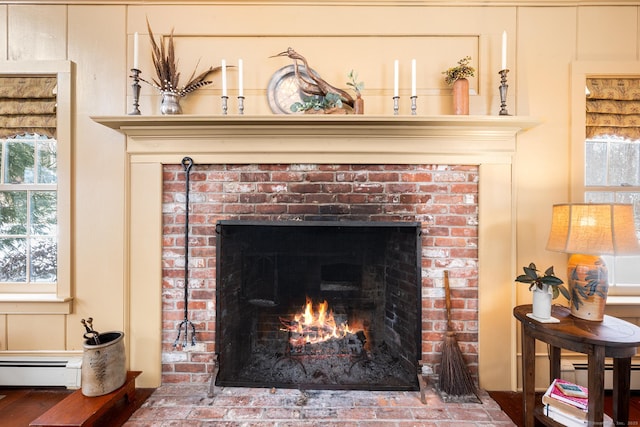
(330, 100)
(549, 278)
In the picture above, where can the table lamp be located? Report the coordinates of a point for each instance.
(588, 230)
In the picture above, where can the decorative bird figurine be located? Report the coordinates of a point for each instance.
(314, 84)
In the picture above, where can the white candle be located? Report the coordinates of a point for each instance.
(395, 78)
(224, 77)
(135, 50)
(240, 84)
(413, 77)
(504, 51)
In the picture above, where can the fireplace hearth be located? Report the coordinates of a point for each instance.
(318, 304)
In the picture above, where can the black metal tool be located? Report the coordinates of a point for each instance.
(187, 163)
(90, 334)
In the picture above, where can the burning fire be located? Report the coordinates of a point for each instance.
(312, 327)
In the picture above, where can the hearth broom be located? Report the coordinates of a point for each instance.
(187, 162)
(455, 378)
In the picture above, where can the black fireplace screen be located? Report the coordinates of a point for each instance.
(314, 304)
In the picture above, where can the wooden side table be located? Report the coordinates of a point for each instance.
(610, 338)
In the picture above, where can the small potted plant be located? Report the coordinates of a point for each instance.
(457, 77)
(357, 87)
(330, 103)
(545, 288)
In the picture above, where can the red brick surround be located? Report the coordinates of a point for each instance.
(443, 198)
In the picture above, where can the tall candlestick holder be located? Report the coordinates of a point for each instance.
(225, 100)
(135, 86)
(396, 107)
(414, 107)
(240, 104)
(503, 92)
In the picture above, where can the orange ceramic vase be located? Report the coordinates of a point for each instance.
(358, 105)
(461, 97)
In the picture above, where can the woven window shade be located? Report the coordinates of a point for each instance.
(613, 107)
(27, 105)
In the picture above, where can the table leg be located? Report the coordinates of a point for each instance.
(528, 377)
(554, 363)
(596, 385)
(621, 390)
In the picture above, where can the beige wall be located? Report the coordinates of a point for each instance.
(543, 42)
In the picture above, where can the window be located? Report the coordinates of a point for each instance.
(28, 208)
(35, 187)
(612, 175)
(606, 152)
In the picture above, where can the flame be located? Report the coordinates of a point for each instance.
(312, 327)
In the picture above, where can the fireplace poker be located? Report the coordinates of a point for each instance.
(187, 163)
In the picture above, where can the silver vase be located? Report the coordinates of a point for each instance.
(170, 103)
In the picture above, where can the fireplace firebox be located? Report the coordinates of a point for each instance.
(318, 304)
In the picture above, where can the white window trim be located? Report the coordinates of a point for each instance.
(580, 71)
(60, 300)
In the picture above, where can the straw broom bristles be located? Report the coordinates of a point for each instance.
(455, 378)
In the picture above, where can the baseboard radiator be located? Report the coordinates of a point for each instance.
(40, 371)
(577, 372)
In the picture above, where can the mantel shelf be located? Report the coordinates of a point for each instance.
(320, 138)
(171, 125)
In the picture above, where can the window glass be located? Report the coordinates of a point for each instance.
(612, 175)
(19, 161)
(28, 208)
(13, 267)
(47, 162)
(13, 210)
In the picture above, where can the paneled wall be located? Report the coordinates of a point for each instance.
(336, 38)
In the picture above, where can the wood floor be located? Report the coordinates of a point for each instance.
(20, 406)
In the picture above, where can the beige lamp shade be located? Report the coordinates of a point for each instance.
(594, 229)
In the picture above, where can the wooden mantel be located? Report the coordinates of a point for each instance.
(310, 123)
(320, 138)
(486, 141)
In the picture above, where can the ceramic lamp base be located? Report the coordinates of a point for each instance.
(588, 286)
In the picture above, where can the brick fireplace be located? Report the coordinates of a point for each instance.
(451, 174)
(441, 198)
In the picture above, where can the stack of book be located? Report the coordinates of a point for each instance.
(568, 404)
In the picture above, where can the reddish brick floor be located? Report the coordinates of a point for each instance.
(188, 405)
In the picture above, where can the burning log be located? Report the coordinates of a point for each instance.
(318, 333)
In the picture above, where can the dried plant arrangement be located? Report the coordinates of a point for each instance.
(166, 68)
(461, 71)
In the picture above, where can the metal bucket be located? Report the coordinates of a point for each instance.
(103, 365)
